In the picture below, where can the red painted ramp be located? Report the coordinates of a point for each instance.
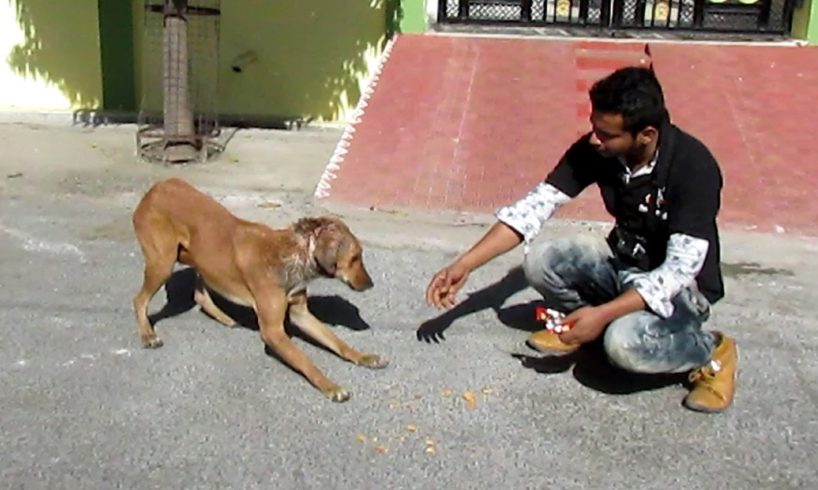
(471, 124)
(755, 107)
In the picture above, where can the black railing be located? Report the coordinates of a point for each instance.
(739, 16)
(529, 12)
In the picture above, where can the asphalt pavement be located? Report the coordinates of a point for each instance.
(462, 404)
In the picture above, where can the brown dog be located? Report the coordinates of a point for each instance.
(249, 264)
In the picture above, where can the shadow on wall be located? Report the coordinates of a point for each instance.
(296, 60)
(311, 56)
(61, 46)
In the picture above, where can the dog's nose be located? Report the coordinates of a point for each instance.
(367, 284)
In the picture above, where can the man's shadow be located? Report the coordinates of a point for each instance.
(592, 369)
(590, 364)
(331, 310)
(492, 296)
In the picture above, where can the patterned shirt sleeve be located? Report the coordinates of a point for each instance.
(527, 215)
(684, 259)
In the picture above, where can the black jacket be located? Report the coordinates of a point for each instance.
(681, 195)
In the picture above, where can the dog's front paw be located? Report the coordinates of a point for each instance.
(337, 394)
(152, 342)
(373, 361)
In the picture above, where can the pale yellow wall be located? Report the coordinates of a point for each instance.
(313, 57)
(49, 55)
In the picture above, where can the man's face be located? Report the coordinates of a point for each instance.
(608, 135)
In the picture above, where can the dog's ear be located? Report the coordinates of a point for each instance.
(330, 241)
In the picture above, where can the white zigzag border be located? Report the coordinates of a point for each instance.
(341, 149)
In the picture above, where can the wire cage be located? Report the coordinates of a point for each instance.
(178, 118)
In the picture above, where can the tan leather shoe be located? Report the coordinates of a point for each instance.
(714, 384)
(548, 342)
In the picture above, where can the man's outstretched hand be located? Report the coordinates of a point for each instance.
(443, 288)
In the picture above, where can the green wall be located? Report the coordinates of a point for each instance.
(413, 16)
(117, 55)
(805, 21)
(311, 57)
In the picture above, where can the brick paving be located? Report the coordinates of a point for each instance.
(471, 123)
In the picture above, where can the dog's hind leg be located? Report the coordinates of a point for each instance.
(315, 328)
(203, 299)
(160, 249)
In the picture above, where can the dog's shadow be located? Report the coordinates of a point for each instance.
(588, 364)
(179, 290)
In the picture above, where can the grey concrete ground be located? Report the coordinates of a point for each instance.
(83, 406)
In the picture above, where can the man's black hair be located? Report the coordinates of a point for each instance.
(633, 92)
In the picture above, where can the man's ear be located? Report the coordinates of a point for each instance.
(647, 136)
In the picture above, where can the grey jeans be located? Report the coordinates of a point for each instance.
(574, 273)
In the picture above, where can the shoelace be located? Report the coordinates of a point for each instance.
(704, 377)
(706, 373)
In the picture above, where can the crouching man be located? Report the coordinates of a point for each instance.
(647, 289)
